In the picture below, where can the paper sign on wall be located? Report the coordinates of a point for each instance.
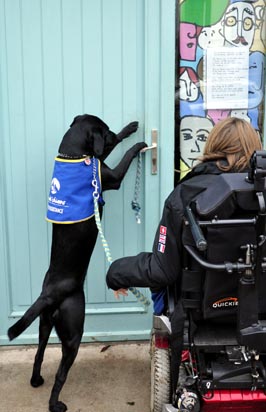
(226, 71)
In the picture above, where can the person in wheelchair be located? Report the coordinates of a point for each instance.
(205, 274)
(228, 148)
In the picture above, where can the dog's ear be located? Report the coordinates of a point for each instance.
(98, 143)
(75, 120)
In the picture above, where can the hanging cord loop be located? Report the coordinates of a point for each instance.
(138, 295)
(135, 204)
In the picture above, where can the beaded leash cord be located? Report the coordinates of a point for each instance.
(138, 295)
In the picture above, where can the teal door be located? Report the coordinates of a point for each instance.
(110, 58)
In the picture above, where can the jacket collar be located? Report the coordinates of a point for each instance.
(204, 168)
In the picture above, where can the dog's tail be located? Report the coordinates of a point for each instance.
(30, 315)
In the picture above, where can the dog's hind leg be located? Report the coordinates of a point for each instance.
(69, 321)
(45, 328)
(69, 355)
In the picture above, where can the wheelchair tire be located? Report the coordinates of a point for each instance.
(160, 377)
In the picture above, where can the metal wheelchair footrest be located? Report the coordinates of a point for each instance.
(161, 324)
(254, 336)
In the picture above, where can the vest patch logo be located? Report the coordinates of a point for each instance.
(225, 303)
(55, 186)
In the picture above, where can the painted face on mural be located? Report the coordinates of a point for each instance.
(211, 36)
(194, 131)
(189, 44)
(188, 85)
(256, 79)
(263, 25)
(239, 24)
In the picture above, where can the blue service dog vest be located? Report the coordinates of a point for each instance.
(71, 192)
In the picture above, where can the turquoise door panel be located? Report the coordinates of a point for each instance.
(110, 58)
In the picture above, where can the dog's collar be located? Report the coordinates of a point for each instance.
(66, 156)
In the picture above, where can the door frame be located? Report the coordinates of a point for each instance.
(160, 65)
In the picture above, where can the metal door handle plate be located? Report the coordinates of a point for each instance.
(153, 148)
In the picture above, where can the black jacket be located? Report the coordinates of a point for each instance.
(162, 267)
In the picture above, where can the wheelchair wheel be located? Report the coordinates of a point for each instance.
(160, 377)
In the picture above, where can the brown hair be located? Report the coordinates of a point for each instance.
(233, 140)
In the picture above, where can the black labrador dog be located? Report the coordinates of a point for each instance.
(61, 303)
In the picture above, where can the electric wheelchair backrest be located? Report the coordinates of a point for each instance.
(218, 322)
(224, 278)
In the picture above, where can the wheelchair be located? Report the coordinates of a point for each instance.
(208, 347)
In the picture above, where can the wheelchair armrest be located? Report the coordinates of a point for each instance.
(226, 266)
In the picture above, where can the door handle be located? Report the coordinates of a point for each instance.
(154, 150)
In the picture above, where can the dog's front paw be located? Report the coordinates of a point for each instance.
(138, 147)
(128, 130)
(57, 407)
(142, 145)
(132, 127)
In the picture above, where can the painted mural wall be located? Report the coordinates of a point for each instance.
(222, 45)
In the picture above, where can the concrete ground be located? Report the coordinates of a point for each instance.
(104, 378)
